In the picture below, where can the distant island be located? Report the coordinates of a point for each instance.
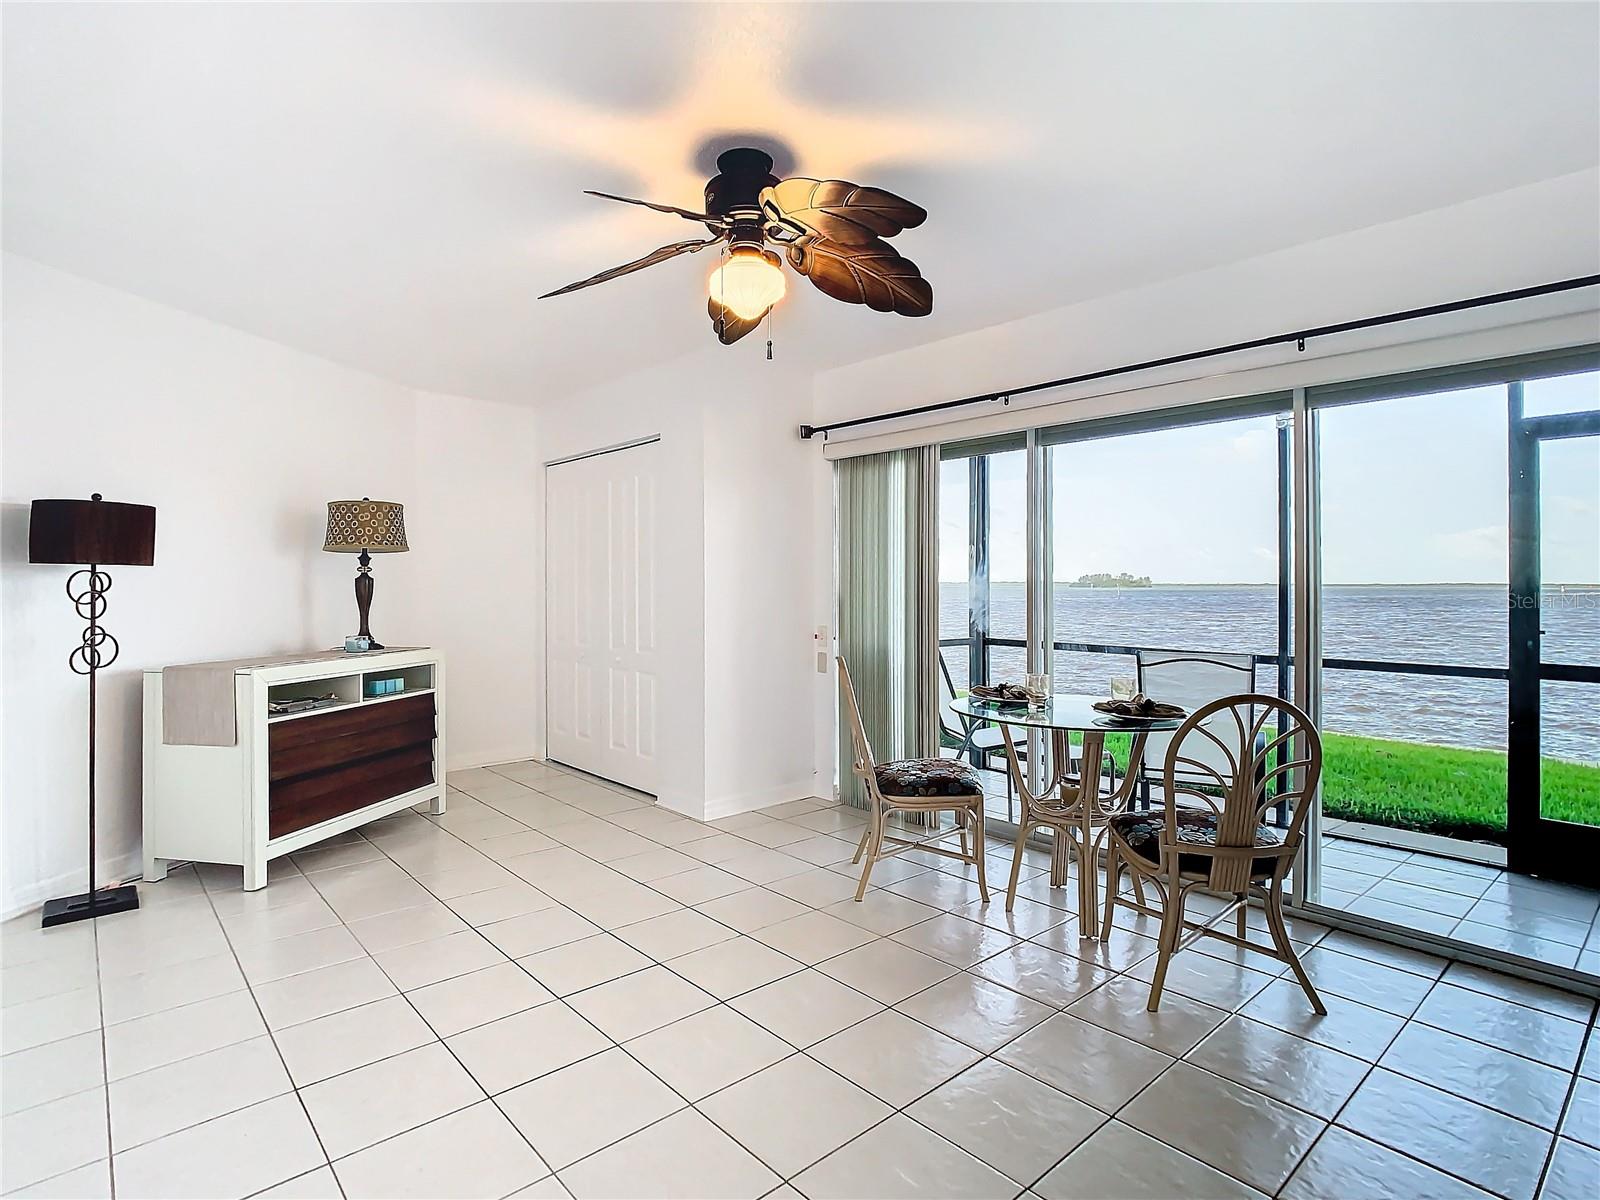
(1101, 579)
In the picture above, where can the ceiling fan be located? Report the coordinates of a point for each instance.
(830, 231)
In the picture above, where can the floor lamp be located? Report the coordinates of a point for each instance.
(91, 533)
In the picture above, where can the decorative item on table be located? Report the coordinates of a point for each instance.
(384, 687)
(1124, 687)
(280, 708)
(356, 644)
(1038, 690)
(1139, 708)
(1008, 694)
(365, 527)
(92, 533)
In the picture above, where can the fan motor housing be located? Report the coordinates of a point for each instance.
(742, 173)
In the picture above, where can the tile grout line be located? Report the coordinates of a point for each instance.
(899, 1110)
(798, 1051)
(1375, 1066)
(1566, 1108)
(327, 1160)
(687, 1103)
(876, 937)
(486, 1096)
(105, 1068)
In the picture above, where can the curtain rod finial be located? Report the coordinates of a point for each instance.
(806, 432)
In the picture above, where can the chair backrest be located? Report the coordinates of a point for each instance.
(1284, 765)
(1191, 679)
(862, 763)
(947, 694)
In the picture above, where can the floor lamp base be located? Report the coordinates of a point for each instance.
(91, 904)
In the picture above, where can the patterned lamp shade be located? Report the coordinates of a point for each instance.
(376, 526)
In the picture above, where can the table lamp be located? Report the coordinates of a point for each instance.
(365, 527)
(91, 533)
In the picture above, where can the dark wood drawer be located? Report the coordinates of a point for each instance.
(296, 803)
(337, 739)
(324, 766)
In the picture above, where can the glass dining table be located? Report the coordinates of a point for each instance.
(1073, 806)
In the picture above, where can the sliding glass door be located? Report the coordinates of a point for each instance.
(1168, 545)
(1555, 627)
(983, 592)
(1415, 560)
(1413, 685)
(1458, 542)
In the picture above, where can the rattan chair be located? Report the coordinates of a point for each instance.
(1217, 842)
(925, 786)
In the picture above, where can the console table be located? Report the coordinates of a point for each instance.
(289, 780)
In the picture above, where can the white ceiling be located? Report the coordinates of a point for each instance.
(391, 186)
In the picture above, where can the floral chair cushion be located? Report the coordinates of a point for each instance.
(928, 777)
(1141, 833)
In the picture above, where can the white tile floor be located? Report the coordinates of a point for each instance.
(557, 989)
(1547, 922)
(1557, 924)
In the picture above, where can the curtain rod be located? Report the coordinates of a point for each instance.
(1298, 337)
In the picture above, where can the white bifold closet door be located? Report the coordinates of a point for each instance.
(600, 614)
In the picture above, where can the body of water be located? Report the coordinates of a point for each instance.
(1463, 625)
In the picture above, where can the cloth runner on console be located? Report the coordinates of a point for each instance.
(197, 706)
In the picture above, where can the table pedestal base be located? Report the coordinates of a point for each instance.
(1076, 812)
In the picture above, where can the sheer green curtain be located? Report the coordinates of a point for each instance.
(887, 533)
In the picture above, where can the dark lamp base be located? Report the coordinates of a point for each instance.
(92, 904)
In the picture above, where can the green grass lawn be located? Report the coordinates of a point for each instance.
(1442, 789)
(1435, 789)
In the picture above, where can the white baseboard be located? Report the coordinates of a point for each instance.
(498, 758)
(67, 883)
(729, 806)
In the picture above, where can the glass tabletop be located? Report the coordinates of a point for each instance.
(1062, 711)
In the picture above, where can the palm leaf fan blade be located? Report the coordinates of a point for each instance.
(841, 211)
(871, 274)
(649, 260)
(686, 213)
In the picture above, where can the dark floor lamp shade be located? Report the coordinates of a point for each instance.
(91, 534)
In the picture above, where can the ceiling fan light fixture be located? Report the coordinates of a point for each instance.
(830, 231)
(748, 282)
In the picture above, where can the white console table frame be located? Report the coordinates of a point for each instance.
(210, 803)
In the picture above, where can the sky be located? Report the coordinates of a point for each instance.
(1413, 491)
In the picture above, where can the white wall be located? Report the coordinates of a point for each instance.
(475, 531)
(1512, 239)
(239, 443)
(739, 593)
(761, 568)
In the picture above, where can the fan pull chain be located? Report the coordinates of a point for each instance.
(769, 335)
